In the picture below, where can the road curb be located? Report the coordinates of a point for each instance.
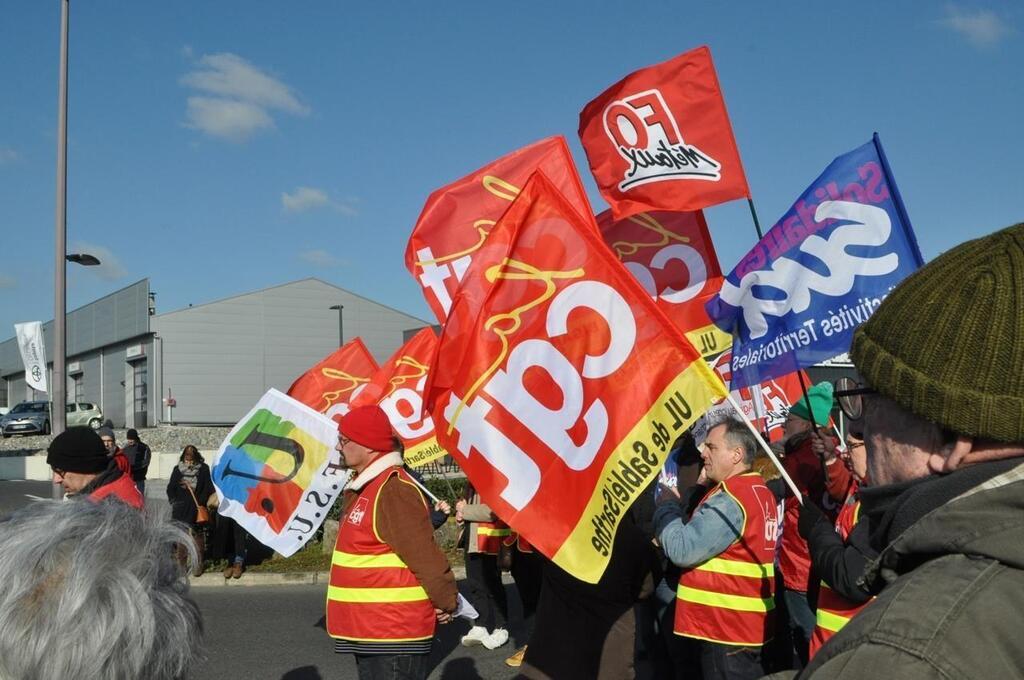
(215, 579)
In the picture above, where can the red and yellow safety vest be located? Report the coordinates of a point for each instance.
(372, 595)
(489, 536)
(730, 599)
(834, 610)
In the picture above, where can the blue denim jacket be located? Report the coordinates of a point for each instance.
(715, 525)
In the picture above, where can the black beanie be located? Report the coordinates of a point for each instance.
(78, 449)
(132, 434)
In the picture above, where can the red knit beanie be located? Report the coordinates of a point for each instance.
(369, 427)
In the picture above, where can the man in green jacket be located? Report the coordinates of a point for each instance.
(942, 414)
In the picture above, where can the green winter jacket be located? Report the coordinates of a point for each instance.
(953, 601)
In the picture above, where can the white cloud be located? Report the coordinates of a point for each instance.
(311, 198)
(981, 28)
(8, 155)
(233, 99)
(7, 282)
(303, 199)
(320, 258)
(232, 120)
(109, 268)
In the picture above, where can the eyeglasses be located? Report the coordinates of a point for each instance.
(343, 441)
(850, 395)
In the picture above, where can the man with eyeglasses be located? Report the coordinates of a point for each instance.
(82, 465)
(941, 413)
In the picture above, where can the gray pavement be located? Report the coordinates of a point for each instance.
(277, 632)
(17, 494)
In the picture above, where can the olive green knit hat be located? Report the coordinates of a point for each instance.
(948, 342)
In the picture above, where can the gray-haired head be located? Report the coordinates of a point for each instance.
(93, 590)
(738, 434)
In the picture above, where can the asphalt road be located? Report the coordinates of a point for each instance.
(277, 632)
(17, 494)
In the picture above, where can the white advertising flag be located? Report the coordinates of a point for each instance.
(33, 353)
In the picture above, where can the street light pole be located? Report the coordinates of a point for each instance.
(57, 390)
(341, 323)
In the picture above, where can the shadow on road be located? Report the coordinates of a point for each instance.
(460, 669)
(303, 673)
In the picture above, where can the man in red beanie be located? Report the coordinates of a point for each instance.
(390, 584)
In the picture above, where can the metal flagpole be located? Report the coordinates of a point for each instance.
(58, 413)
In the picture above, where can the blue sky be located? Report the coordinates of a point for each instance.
(221, 147)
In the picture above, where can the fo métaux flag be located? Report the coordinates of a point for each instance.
(331, 385)
(558, 385)
(672, 257)
(457, 218)
(278, 473)
(398, 388)
(660, 139)
(820, 272)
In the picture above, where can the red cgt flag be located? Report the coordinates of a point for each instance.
(558, 386)
(333, 383)
(457, 218)
(660, 139)
(398, 388)
(671, 255)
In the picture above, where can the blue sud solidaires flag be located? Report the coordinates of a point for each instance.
(796, 298)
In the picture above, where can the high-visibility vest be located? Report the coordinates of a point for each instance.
(834, 610)
(730, 598)
(372, 594)
(489, 536)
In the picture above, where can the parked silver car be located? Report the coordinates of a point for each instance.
(33, 417)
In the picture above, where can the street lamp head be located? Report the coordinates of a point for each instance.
(83, 259)
(338, 307)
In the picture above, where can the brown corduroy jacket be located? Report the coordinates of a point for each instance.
(403, 522)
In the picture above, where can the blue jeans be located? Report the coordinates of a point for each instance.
(392, 666)
(729, 662)
(801, 623)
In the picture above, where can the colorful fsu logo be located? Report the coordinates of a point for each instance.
(267, 465)
(646, 135)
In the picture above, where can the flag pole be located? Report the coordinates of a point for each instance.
(767, 449)
(757, 222)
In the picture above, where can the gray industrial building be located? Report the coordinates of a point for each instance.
(211, 361)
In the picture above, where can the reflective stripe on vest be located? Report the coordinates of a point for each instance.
(489, 536)
(730, 598)
(373, 596)
(400, 594)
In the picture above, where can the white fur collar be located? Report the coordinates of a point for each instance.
(388, 460)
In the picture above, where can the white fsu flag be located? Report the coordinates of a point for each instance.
(33, 353)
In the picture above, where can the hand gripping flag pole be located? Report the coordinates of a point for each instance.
(764, 447)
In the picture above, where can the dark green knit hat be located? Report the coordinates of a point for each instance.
(948, 342)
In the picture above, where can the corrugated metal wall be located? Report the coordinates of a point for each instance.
(218, 358)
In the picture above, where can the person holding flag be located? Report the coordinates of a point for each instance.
(823, 482)
(390, 584)
(726, 548)
(839, 551)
